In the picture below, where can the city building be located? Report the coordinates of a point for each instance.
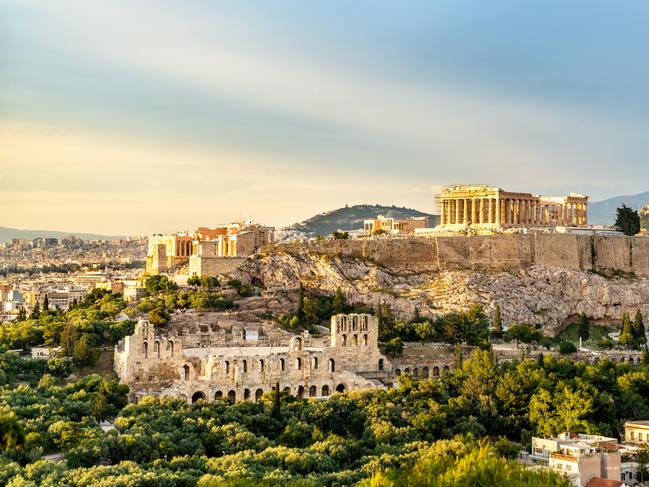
(486, 207)
(393, 226)
(579, 457)
(167, 252)
(636, 432)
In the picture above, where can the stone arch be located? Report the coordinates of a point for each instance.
(344, 344)
(407, 370)
(198, 396)
(218, 395)
(244, 366)
(287, 390)
(365, 340)
(436, 371)
(314, 363)
(156, 349)
(227, 367)
(447, 368)
(381, 364)
(258, 394)
(298, 363)
(261, 365)
(415, 373)
(145, 349)
(354, 323)
(282, 364)
(300, 391)
(186, 372)
(364, 320)
(340, 388)
(298, 344)
(355, 341)
(170, 348)
(313, 391)
(325, 390)
(425, 373)
(332, 365)
(246, 394)
(232, 396)
(397, 372)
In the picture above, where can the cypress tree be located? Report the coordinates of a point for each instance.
(639, 329)
(46, 303)
(338, 304)
(36, 311)
(498, 323)
(626, 337)
(300, 305)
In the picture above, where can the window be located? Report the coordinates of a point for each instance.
(365, 340)
(261, 365)
(315, 362)
(344, 340)
(186, 372)
(332, 365)
(354, 341)
(145, 347)
(298, 364)
(245, 366)
(380, 364)
(282, 364)
(227, 367)
(170, 349)
(156, 349)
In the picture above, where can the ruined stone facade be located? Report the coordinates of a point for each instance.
(493, 208)
(205, 358)
(393, 226)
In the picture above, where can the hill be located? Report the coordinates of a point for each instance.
(6, 234)
(351, 218)
(603, 212)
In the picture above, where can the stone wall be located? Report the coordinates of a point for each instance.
(492, 252)
(213, 266)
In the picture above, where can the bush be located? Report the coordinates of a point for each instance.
(567, 347)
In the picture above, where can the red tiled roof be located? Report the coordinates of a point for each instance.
(600, 482)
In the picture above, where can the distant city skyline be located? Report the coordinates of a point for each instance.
(136, 117)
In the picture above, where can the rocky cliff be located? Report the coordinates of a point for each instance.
(551, 296)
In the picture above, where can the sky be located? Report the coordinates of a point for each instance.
(140, 116)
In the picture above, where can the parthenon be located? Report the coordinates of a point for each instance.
(482, 206)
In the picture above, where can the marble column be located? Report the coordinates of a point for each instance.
(465, 215)
(498, 216)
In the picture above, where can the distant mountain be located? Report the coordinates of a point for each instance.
(603, 212)
(351, 218)
(6, 234)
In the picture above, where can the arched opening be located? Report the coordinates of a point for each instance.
(415, 373)
(314, 363)
(156, 349)
(313, 391)
(397, 372)
(436, 371)
(298, 364)
(246, 394)
(425, 373)
(282, 364)
(244, 366)
(170, 349)
(340, 388)
(198, 395)
(300, 391)
(354, 341)
(261, 365)
(287, 390)
(218, 395)
(232, 396)
(407, 371)
(364, 322)
(344, 340)
(258, 394)
(365, 340)
(381, 365)
(354, 323)
(298, 343)
(325, 391)
(227, 367)
(145, 349)
(332, 365)
(447, 368)
(186, 372)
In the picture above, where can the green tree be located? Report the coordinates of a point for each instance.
(627, 220)
(83, 351)
(626, 337)
(46, 303)
(639, 329)
(36, 311)
(277, 404)
(339, 235)
(11, 431)
(194, 281)
(583, 329)
(339, 302)
(497, 323)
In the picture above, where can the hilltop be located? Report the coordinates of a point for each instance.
(6, 234)
(603, 212)
(351, 218)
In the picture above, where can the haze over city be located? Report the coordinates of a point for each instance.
(133, 117)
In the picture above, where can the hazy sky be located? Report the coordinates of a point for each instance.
(140, 116)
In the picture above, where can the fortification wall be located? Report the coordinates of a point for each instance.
(629, 255)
